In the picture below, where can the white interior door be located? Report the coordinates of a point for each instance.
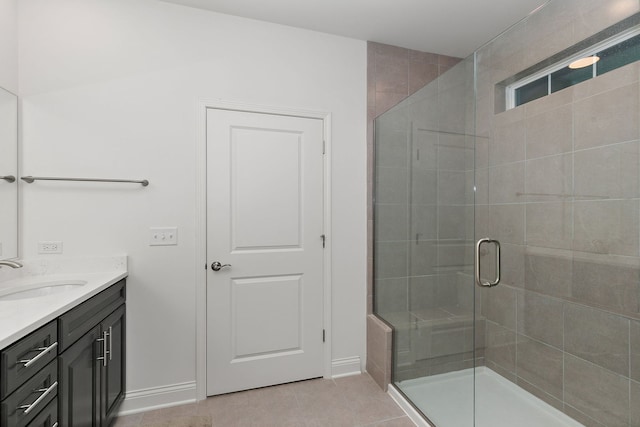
(265, 219)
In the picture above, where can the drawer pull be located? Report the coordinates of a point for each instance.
(43, 351)
(46, 391)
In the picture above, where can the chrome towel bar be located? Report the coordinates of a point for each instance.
(31, 179)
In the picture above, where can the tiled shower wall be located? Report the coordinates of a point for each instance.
(393, 74)
(558, 183)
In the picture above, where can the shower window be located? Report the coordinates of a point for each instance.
(605, 56)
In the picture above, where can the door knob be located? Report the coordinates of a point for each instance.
(216, 266)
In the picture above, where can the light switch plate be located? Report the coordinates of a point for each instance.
(163, 236)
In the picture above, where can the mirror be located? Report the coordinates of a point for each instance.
(8, 174)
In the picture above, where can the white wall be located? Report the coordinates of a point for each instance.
(9, 45)
(110, 89)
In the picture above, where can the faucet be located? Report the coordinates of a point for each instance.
(12, 264)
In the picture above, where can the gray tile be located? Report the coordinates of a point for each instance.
(608, 172)
(550, 132)
(540, 365)
(607, 118)
(391, 146)
(541, 394)
(512, 268)
(605, 283)
(452, 221)
(507, 145)
(391, 260)
(607, 403)
(635, 350)
(391, 295)
(392, 222)
(424, 222)
(453, 152)
(425, 150)
(581, 417)
(548, 275)
(507, 223)
(424, 189)
(501, 347)
(451, 187)
(423, 292)
(506, 183)
(550, 224)
(423, 256)
(499, 306)
(549, 178)
(597, 336)
(392, 185)
(608, 227)
(541, 317)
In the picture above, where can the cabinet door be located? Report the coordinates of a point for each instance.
(79, 379)
(113, 374)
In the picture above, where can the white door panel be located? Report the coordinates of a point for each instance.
(265, 218)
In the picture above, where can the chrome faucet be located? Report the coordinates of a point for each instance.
(12, 264)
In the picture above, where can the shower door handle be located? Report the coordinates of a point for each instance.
(479, 281)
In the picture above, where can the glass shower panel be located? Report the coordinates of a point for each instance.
(558, 183)
(423, 243)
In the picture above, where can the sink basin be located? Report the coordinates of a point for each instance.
(40, 289)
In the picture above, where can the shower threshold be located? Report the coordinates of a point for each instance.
(447, 399)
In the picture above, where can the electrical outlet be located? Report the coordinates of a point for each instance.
(163, 236)
(53, 247)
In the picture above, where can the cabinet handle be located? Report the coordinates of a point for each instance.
(43, 351)
(55, 425)
(104, 359)
(110, 343)
(46, 392)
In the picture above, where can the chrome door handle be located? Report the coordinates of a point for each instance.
(217, 266)
(9, 178)
(103, 340)
(479, 281)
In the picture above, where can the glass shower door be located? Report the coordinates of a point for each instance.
(424, 231)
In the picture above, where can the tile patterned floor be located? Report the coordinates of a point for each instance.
(343, 402)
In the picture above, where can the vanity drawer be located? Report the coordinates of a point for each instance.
(23, 359)
(79, 320)
(24, 404)
(48, 417)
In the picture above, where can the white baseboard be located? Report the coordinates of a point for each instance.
(158, 397)
(345, 367)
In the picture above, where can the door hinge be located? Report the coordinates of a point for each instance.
(323, 335)
(324, 239)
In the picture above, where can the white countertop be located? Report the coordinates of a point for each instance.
(23, 316)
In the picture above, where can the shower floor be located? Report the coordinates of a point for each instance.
(447, 400)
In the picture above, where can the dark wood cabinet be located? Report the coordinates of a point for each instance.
(92, 368)
(79, 374)
(70, 372)
(113, 372)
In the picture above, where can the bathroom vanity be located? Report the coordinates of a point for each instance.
(62, 349)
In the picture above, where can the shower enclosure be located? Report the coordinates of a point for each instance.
(543, 160)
